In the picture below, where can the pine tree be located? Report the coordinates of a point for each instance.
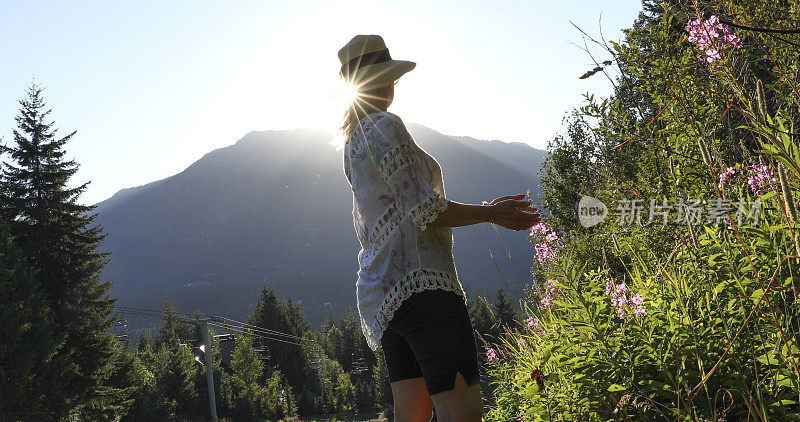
(504, 310)
(27, 339)
(144, 342)
(380, 374)
(171, 328)
(254, 401)
(175, 373)
(484, 322)
(285, 317)
(247, 367)
(173, 365)
(53, 232)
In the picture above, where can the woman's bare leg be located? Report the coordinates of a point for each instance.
(461, 404)
(412, 403)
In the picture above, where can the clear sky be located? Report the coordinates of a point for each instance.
(151, 86)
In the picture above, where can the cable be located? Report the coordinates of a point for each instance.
(243, 329)
(273, 332)
(231, 328)
(248, 332)
(260, 328)
(233, 325)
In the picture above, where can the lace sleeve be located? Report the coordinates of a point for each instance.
(392, 150)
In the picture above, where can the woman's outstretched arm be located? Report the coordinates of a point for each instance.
(510, 212)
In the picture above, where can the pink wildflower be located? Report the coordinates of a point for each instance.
(534, 325)
(551, 292)
(711, 36)
(491, 356)
(609, 286)
(723, 177)
(545, 252)
(623, 301)
(549, 242)
(760, 177)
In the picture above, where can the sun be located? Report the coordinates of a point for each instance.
(345, 94)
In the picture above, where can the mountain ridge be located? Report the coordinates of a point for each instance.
(275, 208)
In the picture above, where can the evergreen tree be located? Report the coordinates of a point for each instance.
(53, 232)
(380, 374)
(172, 328)
(504, 310)
(144, 342)
(285, 317)
(483, 321)
(254, 401)
(27, 339)
(247, 367)
(175, 371)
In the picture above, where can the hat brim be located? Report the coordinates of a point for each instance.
(379, 74)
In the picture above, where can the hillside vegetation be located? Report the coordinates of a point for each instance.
(687, 310)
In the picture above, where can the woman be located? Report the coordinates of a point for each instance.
(410, 301)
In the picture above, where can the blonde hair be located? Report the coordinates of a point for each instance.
(365, 102)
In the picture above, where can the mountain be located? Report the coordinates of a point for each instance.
(275, 208)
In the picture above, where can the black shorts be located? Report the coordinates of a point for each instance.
(431, 336)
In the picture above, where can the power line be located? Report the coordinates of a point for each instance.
(249, 332)
(232, 325)
(267, 330)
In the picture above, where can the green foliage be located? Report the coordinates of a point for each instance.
(382, 386)
(717, 338)
(285, 317)
(27, 339)
(328, 388)
(344, 342)
(51, 230)
(253, 400)
(505, 311)
(172, 328)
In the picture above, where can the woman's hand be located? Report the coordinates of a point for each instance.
(512, 212)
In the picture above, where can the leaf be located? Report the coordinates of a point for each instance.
(546, 355)
(613, 388)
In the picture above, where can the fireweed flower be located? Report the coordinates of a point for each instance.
(551, 293)
(723, 177)
(548, 242)
(491, 356)
(521, 342)
(622, 299)
(540, 228)
(711, 36)
(760, 177)
(534, 325)
(609, 286)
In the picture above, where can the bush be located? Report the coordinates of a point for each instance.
(695, 322)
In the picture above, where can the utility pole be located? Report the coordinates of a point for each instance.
(203, 324)
(212, 402)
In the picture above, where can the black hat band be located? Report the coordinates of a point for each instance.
(365, 59)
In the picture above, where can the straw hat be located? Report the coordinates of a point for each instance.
(366, 62)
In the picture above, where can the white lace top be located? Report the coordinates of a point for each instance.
(397, 190)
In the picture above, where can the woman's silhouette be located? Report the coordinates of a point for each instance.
(410, 301)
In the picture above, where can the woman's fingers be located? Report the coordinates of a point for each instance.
(518, 220)
(503, 198)
(523, 206)
(516, 214)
